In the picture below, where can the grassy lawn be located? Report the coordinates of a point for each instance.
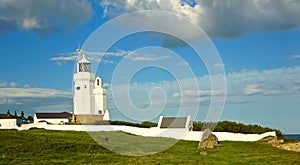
(70, 147)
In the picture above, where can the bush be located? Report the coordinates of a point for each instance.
(101, 122)
(229, 126)
(145, 124)
(123, 123)
(35, 128)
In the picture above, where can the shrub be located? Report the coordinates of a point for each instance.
(229, 126)
(145, 124)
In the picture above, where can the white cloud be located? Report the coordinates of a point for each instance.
(30, 23)
(95, 56)
(26, 86)
(13, 85)
(297, 82)
(239, 101)
(106, 62)
(176, 95)
(275, 92)
(92, 56)
(218, 18)
(35, 99)
(252, 89)
(182, 63)
(106, 85)
(270, 82)
(3, 84)
(144, 58)
(242, 87)
(197, 93)
(64, 58)
(32, 93)
(219, 65)
(43, 16)
(6, 101)
(295, 56)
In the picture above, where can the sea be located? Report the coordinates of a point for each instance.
(292, 136)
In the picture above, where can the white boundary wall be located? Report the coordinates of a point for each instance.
(8, 123)
(181, 134)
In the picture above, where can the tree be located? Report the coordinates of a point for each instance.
(16, 115)
(8, 112)
(30, 118)
(22, 114)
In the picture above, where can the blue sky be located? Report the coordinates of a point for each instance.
(258, 42)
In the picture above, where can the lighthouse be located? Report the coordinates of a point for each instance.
(89, 95)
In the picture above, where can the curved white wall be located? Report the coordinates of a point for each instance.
(153, 132)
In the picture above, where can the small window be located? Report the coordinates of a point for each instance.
(85, 87)
(77, 88)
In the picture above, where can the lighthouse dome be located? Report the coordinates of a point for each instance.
(83, 65)
(83, 59)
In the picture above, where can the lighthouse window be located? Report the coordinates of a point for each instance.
(85, 87)
(77, 88)
(84, 67)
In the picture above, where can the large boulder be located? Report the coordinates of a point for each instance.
(208, 140)
(291, 146)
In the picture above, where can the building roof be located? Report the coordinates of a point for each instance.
(53, 115)
(6, 116)
(173, 122)
(83, 59)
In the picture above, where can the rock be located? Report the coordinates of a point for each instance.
(279, 143)
(208, 140)
(105, 138)
(291, 146)
(272, 140)
(204, 153)
(268, 138)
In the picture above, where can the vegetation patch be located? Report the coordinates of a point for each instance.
(229, 126)
(72, 147)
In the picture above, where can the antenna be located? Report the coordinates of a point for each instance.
(78, 50)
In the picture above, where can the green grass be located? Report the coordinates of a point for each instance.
(70, 147)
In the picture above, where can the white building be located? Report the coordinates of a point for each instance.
(89, 94)
(53, 118)
(9, 122)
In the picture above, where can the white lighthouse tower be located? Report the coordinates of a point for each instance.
(100, 99)
(89, 95)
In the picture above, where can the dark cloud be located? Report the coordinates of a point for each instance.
(233, 18)
(43, 16)
(219, 18)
